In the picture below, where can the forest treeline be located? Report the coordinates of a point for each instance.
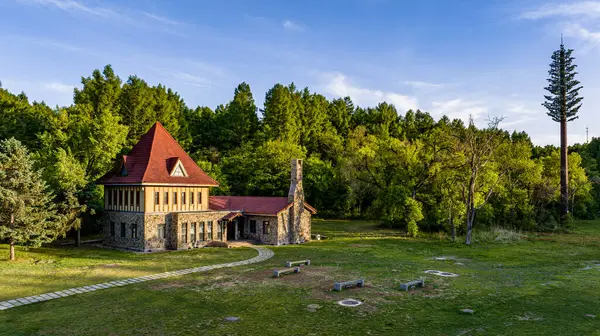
(401, 167)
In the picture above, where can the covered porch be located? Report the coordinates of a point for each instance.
(235, 223)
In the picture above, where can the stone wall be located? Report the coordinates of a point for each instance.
(271, 238)
(188, 218)
(152, 241)
(128, 218)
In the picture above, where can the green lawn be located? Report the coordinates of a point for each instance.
(545, 285)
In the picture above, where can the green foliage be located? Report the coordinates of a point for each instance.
(27, 214)
(563, 102)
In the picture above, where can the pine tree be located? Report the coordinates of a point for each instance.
(27, 214)
(563, 103)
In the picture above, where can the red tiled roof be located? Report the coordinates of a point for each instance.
(252, 204)
(152, 159)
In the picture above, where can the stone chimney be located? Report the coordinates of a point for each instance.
(296, 197)
(296, 181)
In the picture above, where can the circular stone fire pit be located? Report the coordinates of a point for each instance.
(349, 303)
(441, 273)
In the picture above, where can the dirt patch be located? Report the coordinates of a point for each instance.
(166, 285)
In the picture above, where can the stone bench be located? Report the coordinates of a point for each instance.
(412, 284)
(278, 273)
(299, 262)
(338, 286)
(318, 236)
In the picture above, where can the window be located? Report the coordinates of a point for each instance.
(220, 230)
(137, 198)
(121, 197)
(184, 232)
(193, 232)
(191, 198)
(109, 192)
(112, 229)
(134, 231)
(161, 231)
(174, 198)
(201, 231)
(166, 198)
(266, 225)
(183, 198)
(131, 198)
(252, 226)
(126, 197)
(209, 230)
(114, 197)
(200, 197)
(123, 230)
(156, 198)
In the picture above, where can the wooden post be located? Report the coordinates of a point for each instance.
(78, 238)
(12, 240)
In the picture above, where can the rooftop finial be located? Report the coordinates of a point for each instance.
(561, 39)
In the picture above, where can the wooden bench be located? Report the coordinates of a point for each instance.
(299, 262)
(412, 284)
(278, 273)
(338, 286)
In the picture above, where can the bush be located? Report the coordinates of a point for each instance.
(496, 235)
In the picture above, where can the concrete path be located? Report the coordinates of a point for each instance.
(263, 254)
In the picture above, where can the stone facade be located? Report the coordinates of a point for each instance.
(270, 237)
(124, 229)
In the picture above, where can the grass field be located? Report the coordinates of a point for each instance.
(543, 285)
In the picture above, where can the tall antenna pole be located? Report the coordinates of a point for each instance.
(586, 135)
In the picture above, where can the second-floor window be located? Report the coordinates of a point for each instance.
(114, 197)
(191, 198)
(137, 198)
(156, 198)
(166, 198)
(109, 192)
(126, 197)
(174, 198)
(121, 197)
(183, 198)
(200, 197)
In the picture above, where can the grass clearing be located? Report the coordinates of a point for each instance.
(543, 284)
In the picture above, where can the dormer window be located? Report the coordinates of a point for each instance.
(178, 169)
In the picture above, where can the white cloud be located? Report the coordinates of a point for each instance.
(590, 9)
(508, 122)
(339, 86)
(423, 85)
(52, 92)
(578, 31)
(162, 19)
(291, 25)
(73, 6)
(521, 109)
(459, 109)
(190, 79)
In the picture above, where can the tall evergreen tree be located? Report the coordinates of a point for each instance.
(27, 215)
(562, 104)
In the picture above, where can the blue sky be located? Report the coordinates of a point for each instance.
(485, 58)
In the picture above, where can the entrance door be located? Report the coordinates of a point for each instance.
(230, 230)
(240, 226)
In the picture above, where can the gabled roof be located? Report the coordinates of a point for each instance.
(252, 204)
(152, 160)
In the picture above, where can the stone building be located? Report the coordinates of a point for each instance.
(159, 198)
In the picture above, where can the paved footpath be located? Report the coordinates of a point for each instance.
(263, 254)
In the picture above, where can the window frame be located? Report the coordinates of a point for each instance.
(112, 229)
(192, 198)
(200, 197)
(166, 198)
(175, 198)
(156, 198)
(162, 230)
(201, 229)
(134, 233)
(209, 231)
(266, 227)
(109, 194)
(123, 230)
(193, 232)
(120, 197)
(184, 233)
(126, 192)
(183, 198)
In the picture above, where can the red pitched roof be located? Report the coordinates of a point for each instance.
(252, 204)
(152, 159)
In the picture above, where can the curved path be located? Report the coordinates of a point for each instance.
(263, 254)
